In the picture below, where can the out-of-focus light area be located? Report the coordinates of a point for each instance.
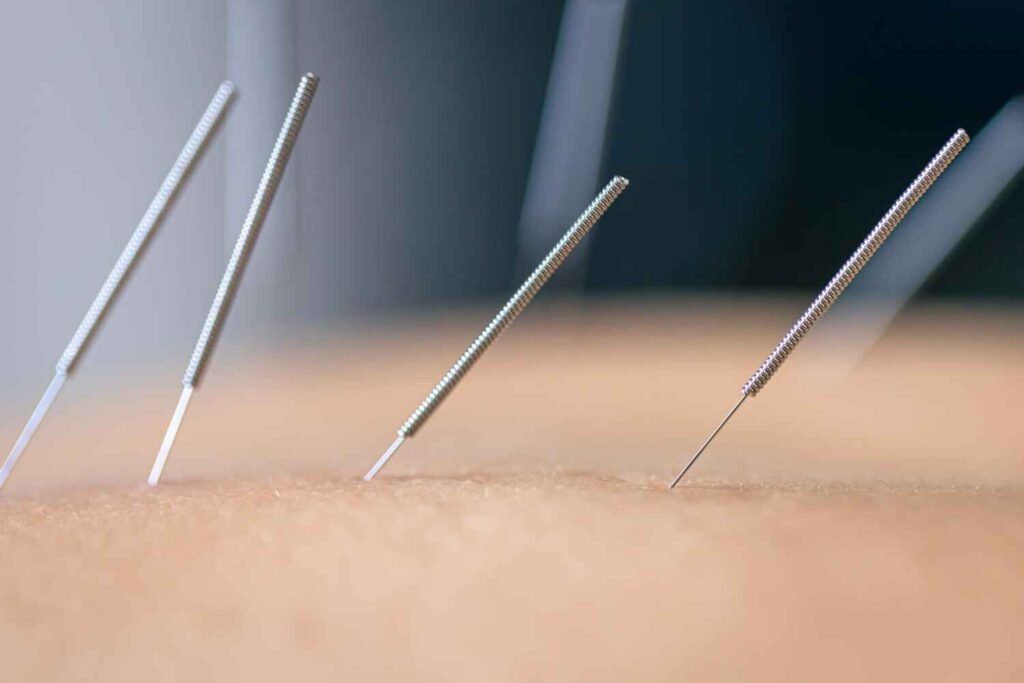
(452, 142)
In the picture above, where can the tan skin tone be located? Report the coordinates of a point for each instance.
(845, 527)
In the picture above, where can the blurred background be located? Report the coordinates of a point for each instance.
(864, 523)
(453, 141)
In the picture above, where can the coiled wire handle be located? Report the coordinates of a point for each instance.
(250, 229)
(516, 304)
(864, 252)
(155, 211)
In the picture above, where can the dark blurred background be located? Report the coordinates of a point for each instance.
(767, 138)
(452, 141)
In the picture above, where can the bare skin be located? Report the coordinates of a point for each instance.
(847, 528)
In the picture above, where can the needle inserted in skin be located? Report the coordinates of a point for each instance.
(383, 460)
(172, 433)
(30, 427)
(842, 279)
(519, 301)
(236, 264)
(125, 262)
(708, 440)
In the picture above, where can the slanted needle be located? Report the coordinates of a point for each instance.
(170, 436)
(217, 315)
(33, 423)
(383, 460)
(505, 317)
(155, 212)
(709, 440)
(820, 306)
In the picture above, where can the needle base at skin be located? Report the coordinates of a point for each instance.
(379, 465)
(706, 443)
(31, 426)
(506, 316)
(838, 284)
(172, 433)
(217, 316)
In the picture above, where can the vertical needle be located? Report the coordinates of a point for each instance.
(125, 262)
(505, 317)
(842, 279)
(228, 287)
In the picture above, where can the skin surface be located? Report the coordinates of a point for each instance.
(845, 526)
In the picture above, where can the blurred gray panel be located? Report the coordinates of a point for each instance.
(566, 169)
(414, 160)
(261, 60)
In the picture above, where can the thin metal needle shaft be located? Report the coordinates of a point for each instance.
(505, 317)
(228, 287)
(383, 460)
(122, 268)
(828, 296)
(172, 432)
(708, 441)
(30, 427)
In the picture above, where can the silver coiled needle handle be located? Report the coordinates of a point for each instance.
(239, 259)
(145, 227)
(125, 262)
(842, 279)
(519, 301)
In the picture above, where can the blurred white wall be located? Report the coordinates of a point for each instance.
(414, 166)
(405, 189)
(99, 99)
(261, 60)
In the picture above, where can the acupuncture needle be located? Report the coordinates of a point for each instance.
(958, 206)
(228, 287)
(505, 317)
(842, 279)
(122, 268)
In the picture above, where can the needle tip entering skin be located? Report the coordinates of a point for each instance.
(172, 433)
(706, 443)
(379, 465)
(31, 426)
